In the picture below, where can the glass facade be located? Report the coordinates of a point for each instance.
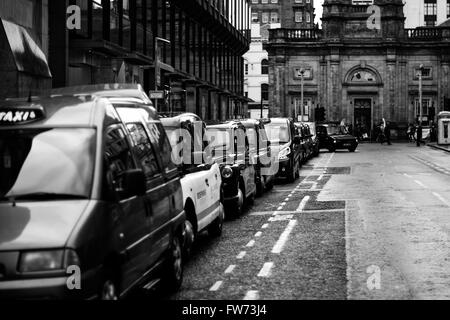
(200, 45)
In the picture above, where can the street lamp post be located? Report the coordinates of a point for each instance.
(157, 67)
(302, 77)
(419, 129)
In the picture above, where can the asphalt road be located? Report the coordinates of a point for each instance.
(373, 224)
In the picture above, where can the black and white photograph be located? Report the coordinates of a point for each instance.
(218, 157)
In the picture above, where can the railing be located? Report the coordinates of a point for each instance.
(308, 35)
(427, 33)
(295, 34)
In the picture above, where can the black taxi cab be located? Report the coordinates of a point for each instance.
(230, 148)
(286, 143)
(261, 154)
(90, 206)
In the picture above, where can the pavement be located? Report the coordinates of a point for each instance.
(374, 224)
(439, 147)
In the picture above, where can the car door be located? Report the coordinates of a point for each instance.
(172, 192)
(249, 171)
(155, 200)
(130, 212)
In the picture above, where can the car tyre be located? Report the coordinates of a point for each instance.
(293, 175)
(173, 276)
(352, 149)
(109, 289)
(216, 227)
(189, 238)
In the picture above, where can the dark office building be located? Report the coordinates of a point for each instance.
(201, 69)
(23, 47)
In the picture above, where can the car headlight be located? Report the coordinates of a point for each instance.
(334, 141)
(227, 172)
(284, 154)
(51, 260)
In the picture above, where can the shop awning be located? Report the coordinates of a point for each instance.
(27, 54)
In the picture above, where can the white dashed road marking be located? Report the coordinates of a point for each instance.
(302, 205)
(420, 184)
(266, 270)
(230, 269)
(278, 248)
(252, 295)
(241, 255)
(250, 244)
(264, 226)
(216, 286)
(258, 234)
(437, 195)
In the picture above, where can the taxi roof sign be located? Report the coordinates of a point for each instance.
(20, 115)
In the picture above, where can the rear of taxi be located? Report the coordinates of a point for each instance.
(49, 154)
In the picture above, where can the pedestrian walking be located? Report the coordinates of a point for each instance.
(419, 134)
(387, 132)
(411, 132)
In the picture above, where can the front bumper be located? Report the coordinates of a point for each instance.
(285, 168)
(50, 288)
(345, 145)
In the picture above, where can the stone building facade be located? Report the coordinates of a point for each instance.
(360, 72)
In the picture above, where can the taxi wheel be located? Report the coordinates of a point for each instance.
(240, 202)
(352, 149)
(174, 274)
(189, 238)
(216, 228)
(109, 289)
(298, 172)
(332, 149)
(269, 186)
(293, 175)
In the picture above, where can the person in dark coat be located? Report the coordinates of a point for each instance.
(419, 134)
(387, 132)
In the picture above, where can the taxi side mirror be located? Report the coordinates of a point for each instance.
(134, 183)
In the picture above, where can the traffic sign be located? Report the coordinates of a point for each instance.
(156, 94)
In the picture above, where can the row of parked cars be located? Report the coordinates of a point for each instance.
(100, 195)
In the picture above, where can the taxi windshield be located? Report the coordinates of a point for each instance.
(336, 130)
(46, 164)
(278, 133)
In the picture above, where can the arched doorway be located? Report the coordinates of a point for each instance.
(363, 84)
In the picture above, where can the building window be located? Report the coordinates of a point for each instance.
(255, 1)
(246, 67)
(448, 8)
(264, 92)
(426, 105)
(274, 17)
(273, 1)
(298, 1)
(265, 17)
(363, 76)
(307, 74)
(427, 73)
(298, 16)
(264, 1)
(308, 17)
(265, 66)
(255, 17)
(430, 8)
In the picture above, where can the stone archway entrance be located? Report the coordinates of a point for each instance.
(363, 117)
